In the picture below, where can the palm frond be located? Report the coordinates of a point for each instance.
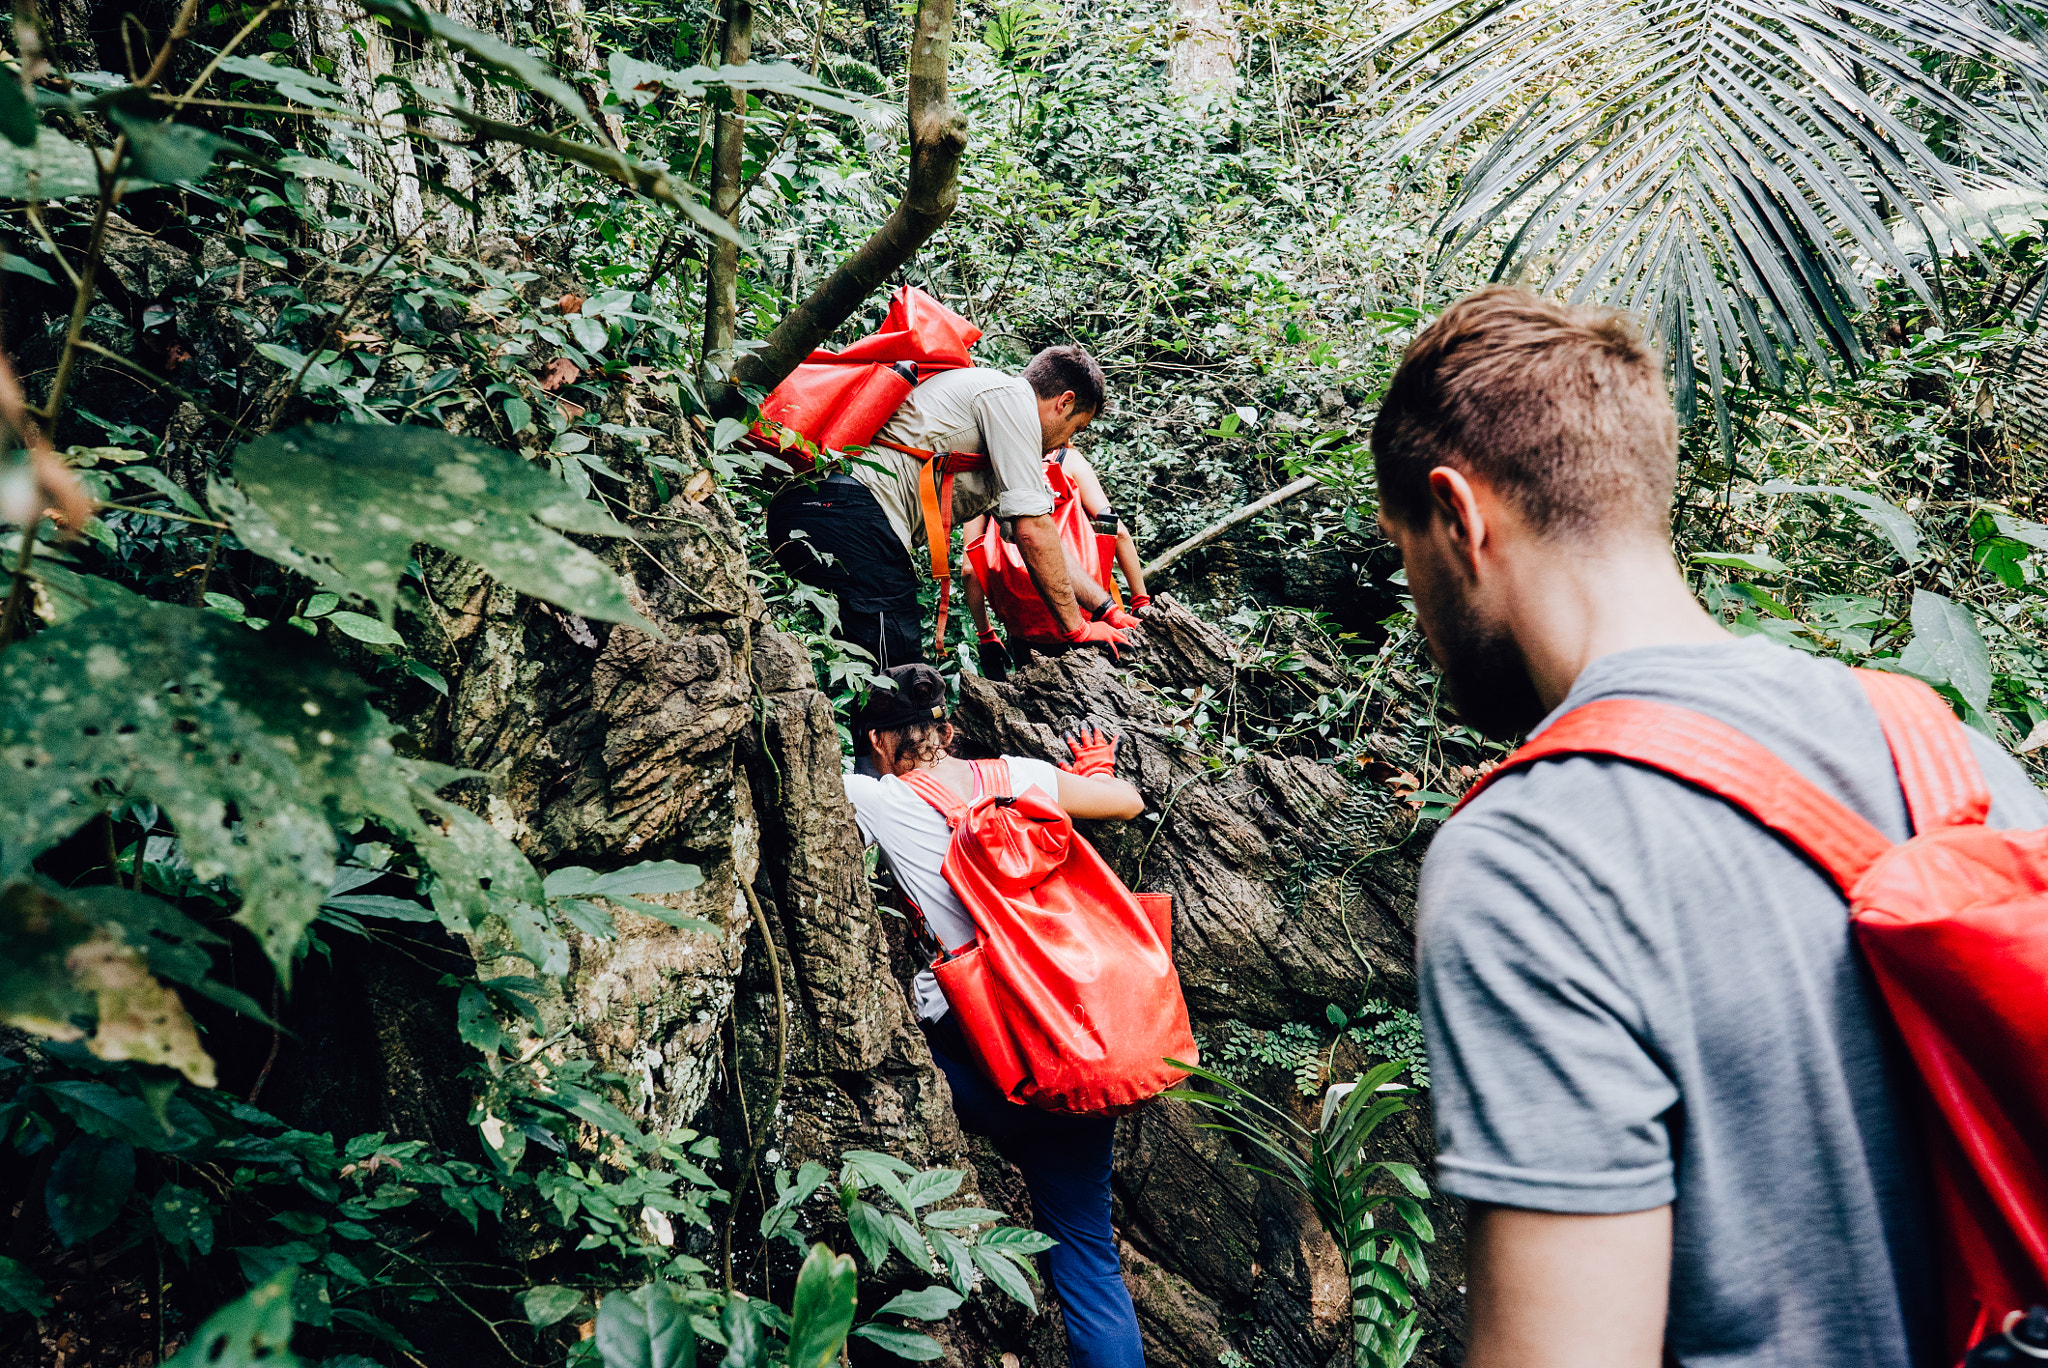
(1733, 170)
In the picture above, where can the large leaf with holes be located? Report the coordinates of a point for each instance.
(54, 168)
(254, 745)
(346, 503)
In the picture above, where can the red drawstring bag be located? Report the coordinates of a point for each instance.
(1068, 995)
(836, 400)
(1954, 926)
(1000, 567)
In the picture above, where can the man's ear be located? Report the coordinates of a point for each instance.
(1456, 505)
(1064, 405)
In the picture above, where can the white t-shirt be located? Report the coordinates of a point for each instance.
(914, 836)
(975, 409)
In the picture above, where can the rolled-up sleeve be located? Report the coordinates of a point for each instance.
(1008, 417)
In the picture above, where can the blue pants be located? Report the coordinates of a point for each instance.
(1065, 1162)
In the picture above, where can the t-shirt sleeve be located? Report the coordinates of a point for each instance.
(1008, 417)
(1037, 774)
(1544, 1094)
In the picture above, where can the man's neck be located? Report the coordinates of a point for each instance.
(1569, 607)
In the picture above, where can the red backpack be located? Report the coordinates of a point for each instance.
(1068, 995)
(1954, 926)
(1000, 567)
(837, 400)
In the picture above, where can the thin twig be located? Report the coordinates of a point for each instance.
(17, 593)
(35, 216)
(428, 1269)
(206, 74)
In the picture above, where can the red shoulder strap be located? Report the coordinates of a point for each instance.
(1716, 757)
(991, 780)
(1943, 784)
(927, 786)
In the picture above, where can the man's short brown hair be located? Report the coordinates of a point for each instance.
(1561, 409)
(1056, 370)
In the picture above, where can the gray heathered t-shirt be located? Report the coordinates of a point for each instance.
(1633, 996)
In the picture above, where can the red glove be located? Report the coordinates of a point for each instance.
(1095, 634)
(1140, 601)
(988, 634)
(1094, 753)
(1117, 617)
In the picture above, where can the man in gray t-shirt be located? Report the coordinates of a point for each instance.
(1662, 1079)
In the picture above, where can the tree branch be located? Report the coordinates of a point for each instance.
(938, 139)
(728, 148)
(1222, 525)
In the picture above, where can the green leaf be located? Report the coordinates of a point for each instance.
(105, 1111)
(649, 876)
(22, 265)
(18, 121)
(518, 415)
(55, 168)
(364, 628)
(316, 168)
(1004, 1274)
(492, 52)
(822, 1311)
(904, 1344)
(21, 1291)
(37, 990)
(1743, 560)
(254, 1332)
(548, 1304)
(933, 1185)
(476, 1021)
(162, 483)
(168, 153)
(958, 1258)
(646, 1328)
(954, 1218)
(1889, 521)
(88, 1186)
(1947, 648)
(188, 710)
(1016, 1239)
(870, 1234)
(183, 1217)
(929, 1304)
(291, 83)
(346, 504)
(380, 905)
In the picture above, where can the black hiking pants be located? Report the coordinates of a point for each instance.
(862, 564)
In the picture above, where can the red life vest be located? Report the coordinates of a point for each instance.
(999, 566)
(1068, 995)
(1954, 926)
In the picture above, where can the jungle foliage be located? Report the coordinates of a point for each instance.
(353, 369)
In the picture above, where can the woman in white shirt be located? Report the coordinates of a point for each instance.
(1065, 1159)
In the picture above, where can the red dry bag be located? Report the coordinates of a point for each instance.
(836, 400)
(1005, 579)
(1954, 926)
(1068, 995)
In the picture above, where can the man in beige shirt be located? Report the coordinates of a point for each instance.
(854, 535)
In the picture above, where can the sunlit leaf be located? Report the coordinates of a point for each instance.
(822, 1311)
(1948, 649)
(54, 168)
(646, 1328)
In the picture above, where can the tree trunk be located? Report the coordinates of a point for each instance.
(1205, 50)
(728, 151)
(938, 139)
